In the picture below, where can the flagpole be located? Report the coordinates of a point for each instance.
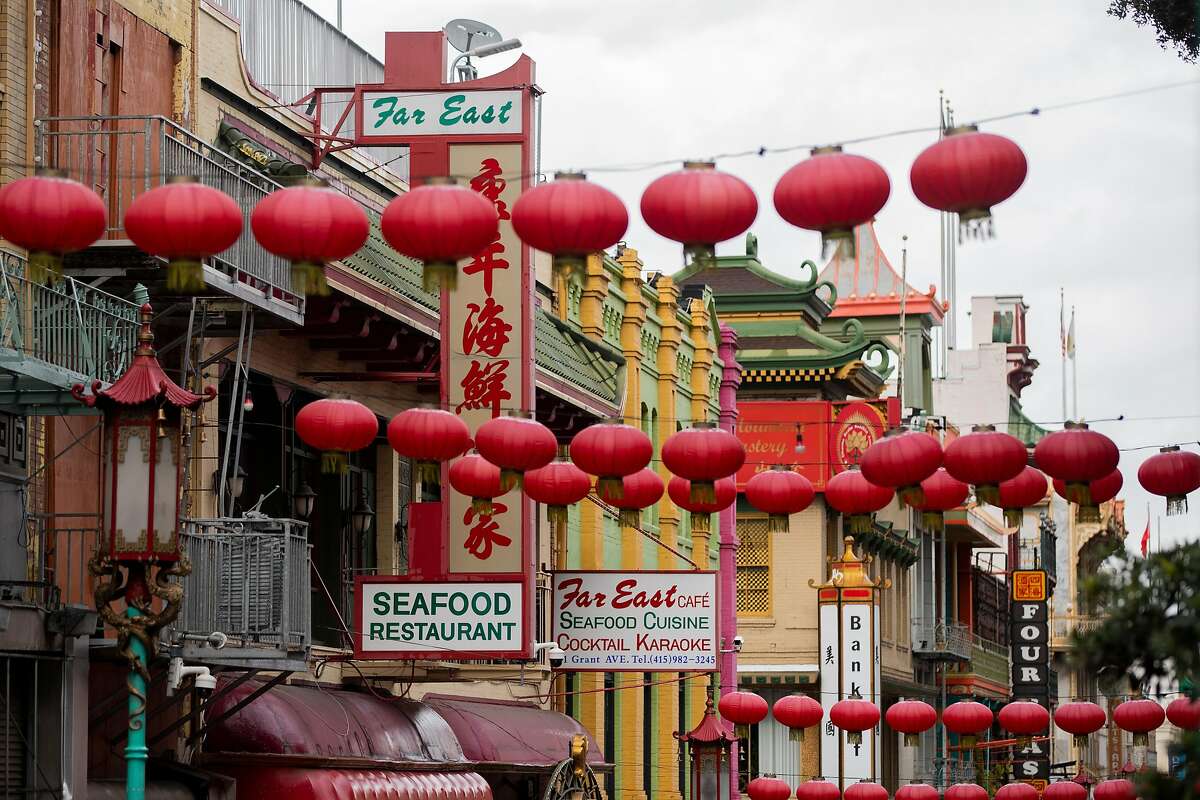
(1062, 342)
(1074, 368)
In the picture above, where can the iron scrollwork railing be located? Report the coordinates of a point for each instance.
(941, 639)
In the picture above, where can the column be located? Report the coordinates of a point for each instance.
(731, 379)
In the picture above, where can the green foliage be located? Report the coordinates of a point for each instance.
(1174, 21)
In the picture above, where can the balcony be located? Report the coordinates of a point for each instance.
(1061, 628)
(123, 157)
(250, 582)
(941, 641)
(989, 662)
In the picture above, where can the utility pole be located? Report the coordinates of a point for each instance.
(903, 299)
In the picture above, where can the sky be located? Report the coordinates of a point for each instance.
(1109, 211)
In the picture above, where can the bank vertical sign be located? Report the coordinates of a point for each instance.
(1031, 665)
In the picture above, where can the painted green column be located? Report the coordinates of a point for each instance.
(136, 751)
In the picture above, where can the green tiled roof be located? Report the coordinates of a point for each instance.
(558, 354)
(377, 261)
(1022, 426)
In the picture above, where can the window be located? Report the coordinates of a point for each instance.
(754, 568)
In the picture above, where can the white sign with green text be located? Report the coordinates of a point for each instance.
(438, 619)
(441, 113)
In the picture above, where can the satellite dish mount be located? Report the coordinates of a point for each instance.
(466, 36)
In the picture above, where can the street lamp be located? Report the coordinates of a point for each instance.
(709, 745)
(467, 71)
(303, 501)
(363, 515)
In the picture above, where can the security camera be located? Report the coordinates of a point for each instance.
(554, 653)
(205, 681)
(738, 641)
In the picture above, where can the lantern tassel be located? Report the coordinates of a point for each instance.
(932, 519)
(912, 739)
(566, 266)
(795, 734)
(428, 473)
(557, 515)
(1081, 741)
(1088, 513)
(861, 523)
(482, 506)
(1141, 740)
(185, 275)
(439, 276)
(976, 224)
(630, 517)
(610, 488)
(702, 492)
(854, 737)
(334, 462)
(913, 496)
(510, 479)
(777, 523)
(1176, 505)
(1079, 494)
(830, 240)
(308, 278)
(701, 522)
(699, 253)
(988, 493)
(741, 730)
(1013, 517)
(44, 267)
(967, 740)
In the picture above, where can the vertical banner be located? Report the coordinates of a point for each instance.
(831, 676)
(1031, 666)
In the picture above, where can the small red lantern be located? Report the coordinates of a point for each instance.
(336, 427)
(779, 492)
(1076, 455)
(968, 172)
(968, 719)
(703, 454)
(440, 223)
(724, 495)
(479, 479)
(1064, 790)
(865, 790)
(557, 485)
(853, 495)
(50, 215)
(818, 789)
(310, 225)
(797, 712)
(515, 443)
(569, 218)
(429, 436)
(1024, 718)
(912, 718)
(699, 206)
(640, 490)
(1080, 718)
(900, 461)
(942, 493)
(184, 222)
(1017, 791)
(743, 709)
(1184, 713)
(1016, 494)
(832, 192)
(854, 715)
(985, 458)
(1139, 717)
(916, 791)
(768, 787)
(1099, 491)
(1116, 789)
(1171, 473)
(611, 451)
(966, 791)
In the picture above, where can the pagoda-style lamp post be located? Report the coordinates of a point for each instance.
(709, 746)
(140, 534)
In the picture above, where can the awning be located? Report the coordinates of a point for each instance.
(298, 783)
(511, 733)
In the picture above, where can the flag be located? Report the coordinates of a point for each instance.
(1069, 342)
(1146, 538)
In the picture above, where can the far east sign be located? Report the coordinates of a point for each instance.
(636, 622)
(390, 114)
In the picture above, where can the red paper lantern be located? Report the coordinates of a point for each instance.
(1024, 718)
(1116, 789)
(724, 495)
(703, 454)
(1064, 790)
(968, 719)
(985, 458)
(1017, 791)
(1016, 494)
(942, 493)
(854, 716)
(818, 790)
(912, 718)
(1139, 717)
(853, 495)
(1099, 491)
(779, 492)
(610, 451)
(1184, 713)
(440, 223)
(966, 791)
(916, 791)
(640, 490)
(184, 222)
(865, 790)
(569, 218)
(743, 709)
(1076, 455)
(900, 461)
(768, 787)
(1171, 473)
(832, 192)
(50, 216)
(797, 712)
(699, 206)
(336, 427)
(429, 436)
(310, 225)
(557, 485)
(515, 444)
(1080, 718)
(967, 173)
(479, 479)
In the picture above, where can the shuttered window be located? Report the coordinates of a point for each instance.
(753, 568)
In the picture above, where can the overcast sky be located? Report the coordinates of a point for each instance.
(1110, 210)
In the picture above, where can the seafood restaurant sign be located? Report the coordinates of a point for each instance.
(636, 622)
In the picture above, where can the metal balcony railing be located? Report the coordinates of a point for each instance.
(121, 157)
(249, 581)
(941, 641)
(54, 572)
(1061, 628)
(989, 660)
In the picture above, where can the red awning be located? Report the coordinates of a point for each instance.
(259, 782)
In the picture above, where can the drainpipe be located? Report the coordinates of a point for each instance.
(731, 378)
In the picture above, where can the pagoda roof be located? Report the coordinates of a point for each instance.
(868, 285)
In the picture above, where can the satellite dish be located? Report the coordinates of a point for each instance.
(465, 34)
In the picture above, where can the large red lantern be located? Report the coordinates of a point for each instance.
(1139, 717)
(50, 215)
(1017, 494)
(703, 454)
(768, 787)
(854, 496)
(797, 712)
(854, 715)
(336, 426)
(699, 206)
(743, 709)
(1024, 718)
(184, 222)
(779, 492)
(1116, 789)
(916, 791)
(1076, 455)
(640, 490)
(1171, 473)
(1017, 791)
(429, 436)
(569, 218)
(557, 486)
(968, 172)
(912, 718)
(479, 479)
(724, 495)
(900, 461)
(310, 225)
(966, 791)
(832, 192)
(1184, 713)
(610, 451)
(818, 790)
(942, 493)
(1099, 491)
(440, 223)
(1064, 790)
(865, 790)
(515, 443)
(985, 458)
(968, 719)
(1080, 718)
